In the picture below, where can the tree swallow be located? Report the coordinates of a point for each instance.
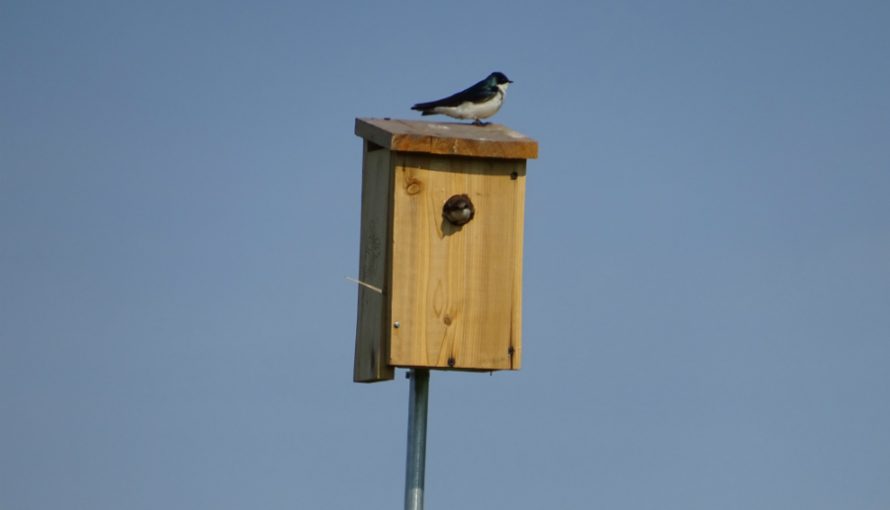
(458, 210)
(480, 101)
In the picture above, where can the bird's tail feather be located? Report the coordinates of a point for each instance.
(424, 106)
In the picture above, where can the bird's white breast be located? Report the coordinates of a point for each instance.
(470, 110)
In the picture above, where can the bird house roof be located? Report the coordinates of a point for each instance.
(448, 138)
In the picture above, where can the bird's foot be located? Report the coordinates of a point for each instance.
(478, 122)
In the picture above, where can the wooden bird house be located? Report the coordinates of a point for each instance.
(440, 260)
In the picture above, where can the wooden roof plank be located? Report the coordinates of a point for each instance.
(449, 138)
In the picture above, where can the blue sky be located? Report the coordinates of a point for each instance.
(707, 258)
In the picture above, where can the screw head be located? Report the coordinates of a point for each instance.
(396, 324)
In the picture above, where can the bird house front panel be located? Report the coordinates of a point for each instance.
(456, 282)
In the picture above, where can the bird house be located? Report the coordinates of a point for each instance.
(440, 262)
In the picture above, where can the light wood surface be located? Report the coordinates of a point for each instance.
(457, 290)
(448, 138)
(451, 295)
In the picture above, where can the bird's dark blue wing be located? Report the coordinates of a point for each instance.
(475, 94)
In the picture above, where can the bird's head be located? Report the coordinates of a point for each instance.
(499, 78)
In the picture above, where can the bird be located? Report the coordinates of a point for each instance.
(477, 102)
(458, 210)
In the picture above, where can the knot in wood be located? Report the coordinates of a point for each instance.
(413, 186)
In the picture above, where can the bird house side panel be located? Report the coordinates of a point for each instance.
(457, 290)
(375, 259)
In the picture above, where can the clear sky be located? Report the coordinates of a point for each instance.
(707, 271)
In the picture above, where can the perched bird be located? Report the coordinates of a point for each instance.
(480, 101)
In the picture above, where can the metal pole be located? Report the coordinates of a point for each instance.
(416, 463)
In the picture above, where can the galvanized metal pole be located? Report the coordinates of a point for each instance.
(416, 463)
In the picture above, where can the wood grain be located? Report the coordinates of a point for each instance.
(452, 295)
(456, 291)
(375, 258)
(447, 138)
